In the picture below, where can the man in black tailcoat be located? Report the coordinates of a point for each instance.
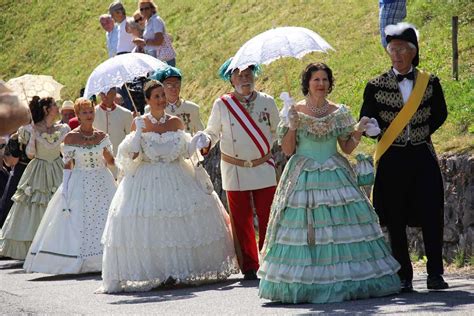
(408, 189)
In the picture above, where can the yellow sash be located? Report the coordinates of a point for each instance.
(404, 116)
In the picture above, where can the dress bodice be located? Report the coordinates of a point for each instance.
(317, 137)
(48, 145)
(87, 157)
(165, 147)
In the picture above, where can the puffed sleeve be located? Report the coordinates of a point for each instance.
(69, 152)
(106, 143)
(124, 159)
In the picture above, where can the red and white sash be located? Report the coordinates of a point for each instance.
(249, 125)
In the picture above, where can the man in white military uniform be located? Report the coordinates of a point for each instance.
(245, 122)
(186, 110)
(112, 119)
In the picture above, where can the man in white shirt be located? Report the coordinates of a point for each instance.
(186, 110)
(111, 33)
(245, 123)
(112, 119)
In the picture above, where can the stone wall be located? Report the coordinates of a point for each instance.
(458, 171)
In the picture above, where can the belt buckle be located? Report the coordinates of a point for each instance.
(248, 164)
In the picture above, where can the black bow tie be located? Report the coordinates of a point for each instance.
(409, 76)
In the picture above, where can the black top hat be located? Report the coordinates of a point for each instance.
(406, 32)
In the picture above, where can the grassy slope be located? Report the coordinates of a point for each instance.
(64, 39)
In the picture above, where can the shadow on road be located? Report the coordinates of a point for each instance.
(180, 292)
(416, 302)
(12, 265)
(63, 277)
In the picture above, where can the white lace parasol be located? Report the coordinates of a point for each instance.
(116, 71)
(289, 41)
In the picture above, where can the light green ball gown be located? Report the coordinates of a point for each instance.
(324, 243)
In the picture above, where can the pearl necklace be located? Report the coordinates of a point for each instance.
(318, 110)
(86, 137)
(153, 120)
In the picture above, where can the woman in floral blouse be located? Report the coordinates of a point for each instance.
(40, 180)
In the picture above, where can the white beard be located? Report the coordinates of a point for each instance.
(239, 89)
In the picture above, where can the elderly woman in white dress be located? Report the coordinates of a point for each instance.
(163, 226)
(68, 238)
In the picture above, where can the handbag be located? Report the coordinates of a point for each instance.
(202, 179)
(165, 50)
(364, 170)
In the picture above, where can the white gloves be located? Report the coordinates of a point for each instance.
(66, 176)
(293, 118)
(135, 143)
(373, 128)
(285, 111)
(362, 125)
(201, 139)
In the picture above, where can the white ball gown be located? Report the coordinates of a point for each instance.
(161, 223)
(68, 240)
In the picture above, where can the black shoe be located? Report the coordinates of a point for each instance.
(436, 282)
(170, 281)
(407, 286)
(250, 275)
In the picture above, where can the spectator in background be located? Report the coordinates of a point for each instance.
(3, 171)
(16, 159)
(390, 12)
(124, 42)
(67, 111)
(156, 41)
(137, 32)
(111, 33)
(138, 17)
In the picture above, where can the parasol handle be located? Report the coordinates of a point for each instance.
(24, 92)
(287, 82)
(133, 103)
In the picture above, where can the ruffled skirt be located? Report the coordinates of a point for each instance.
(35, 189)
(68, 240)
(162, 225)
(325, 243)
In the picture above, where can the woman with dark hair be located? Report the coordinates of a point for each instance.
(68, 238)
(323, 242)
(40, 180)
(163, 226)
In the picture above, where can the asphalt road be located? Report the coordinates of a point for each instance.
(22, 293)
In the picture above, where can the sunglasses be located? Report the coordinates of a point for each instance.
(144, 9)
(138, 19)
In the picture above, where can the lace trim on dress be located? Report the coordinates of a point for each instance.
(69, 151)
(51, 141)
(337, 123)
(179, 145)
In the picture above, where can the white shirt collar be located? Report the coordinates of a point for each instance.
(398, 72)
